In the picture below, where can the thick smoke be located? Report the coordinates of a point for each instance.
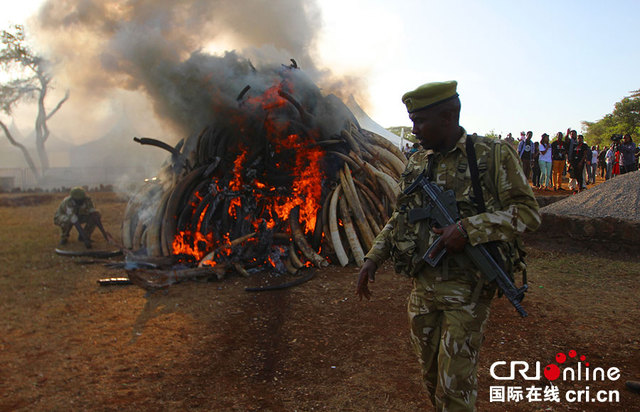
(159, 48)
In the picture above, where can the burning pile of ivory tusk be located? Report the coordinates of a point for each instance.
(281, 179)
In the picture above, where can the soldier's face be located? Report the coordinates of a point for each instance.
(429, 126)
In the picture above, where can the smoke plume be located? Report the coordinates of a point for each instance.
(163, 49)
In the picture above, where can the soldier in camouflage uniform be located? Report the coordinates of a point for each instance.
(76, 208)
(449, 304)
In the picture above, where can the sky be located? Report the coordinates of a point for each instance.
(543, 66)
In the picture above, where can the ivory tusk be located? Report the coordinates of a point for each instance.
(352, 237)
(335, 234)
(238, 267)
(346, 135)
(389, 185)
(290, 267)
(352, 200)
(389, 158)
(371, 218)
(301, 241)
(380, 141)
(295, 261)
(345, 158)
(154, 230)
(235, 242)
(375, 201)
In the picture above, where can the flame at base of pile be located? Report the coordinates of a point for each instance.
(283, 178)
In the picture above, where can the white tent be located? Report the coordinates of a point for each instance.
(369, 124)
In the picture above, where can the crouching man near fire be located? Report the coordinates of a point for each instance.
(74, 211)
(449, 304)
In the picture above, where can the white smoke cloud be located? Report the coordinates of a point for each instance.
(156, 48)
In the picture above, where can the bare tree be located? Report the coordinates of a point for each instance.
(33, 83)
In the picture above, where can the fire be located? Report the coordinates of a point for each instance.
(235, 202)
(307, 189)
(236, 183)
(295, 156)
(189, 243)
(269, 224)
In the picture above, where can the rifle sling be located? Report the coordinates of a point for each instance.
(478, 197)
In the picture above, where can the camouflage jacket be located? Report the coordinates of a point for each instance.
(510, 204)
(68, 207)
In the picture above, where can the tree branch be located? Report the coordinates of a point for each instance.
(60, 103)
(25, 152)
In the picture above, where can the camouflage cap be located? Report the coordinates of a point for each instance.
(77, 193)
(429, 95)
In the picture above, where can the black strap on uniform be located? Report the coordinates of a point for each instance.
(477, 192)
(478, 198)
(429, 171)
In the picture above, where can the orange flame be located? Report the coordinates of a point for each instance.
(299, 157)
(182, 244)
(306, 189)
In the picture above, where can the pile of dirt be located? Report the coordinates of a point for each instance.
(608, 212)
(617, 198)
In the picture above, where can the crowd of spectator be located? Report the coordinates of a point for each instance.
(409, 150)
(545, 164)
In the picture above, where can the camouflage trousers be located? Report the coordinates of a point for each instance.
(86, 222)
(446, 334)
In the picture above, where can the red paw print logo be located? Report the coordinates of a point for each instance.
(552, 371)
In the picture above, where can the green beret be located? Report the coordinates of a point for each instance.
(77, 193)
(429, 95)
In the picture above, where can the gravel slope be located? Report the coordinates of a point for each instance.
(618, 198)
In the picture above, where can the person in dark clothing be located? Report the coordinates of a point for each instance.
(567, 145)
(578, 160)
(76, 210)
(526, 155)
(628, 152)
(535, 166)
(559, 149)
(602, 161)
(573, 140)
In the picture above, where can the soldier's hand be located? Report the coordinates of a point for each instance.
(450, 238)
(74, 219)
(367, 274)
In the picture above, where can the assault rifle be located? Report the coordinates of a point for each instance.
(95, 218)
(107, 236)
(83, 236)
(442, 208)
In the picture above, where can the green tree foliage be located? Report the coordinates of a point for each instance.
(491, 134)
(404, 132)
(32, 83)
(625, 118)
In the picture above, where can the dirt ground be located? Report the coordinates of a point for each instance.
(69, 344)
